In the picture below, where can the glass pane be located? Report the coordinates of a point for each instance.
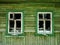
(11, 30)
(11, 16)
(17, 16)
(47, 27)
(40, 16)
(41, 25)
(47, 16)
(18, 24)
(11, 23)
(18, 29)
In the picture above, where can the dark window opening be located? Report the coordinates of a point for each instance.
(17, 16)
(47, 16)
(40, 25)
(10, 30)
(11, 15)
(47, 23)
(18, 24)
(11, 23)
(40, 16)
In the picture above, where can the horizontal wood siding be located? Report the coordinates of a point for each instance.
(57, 19)
(29, 10)
(18, 1)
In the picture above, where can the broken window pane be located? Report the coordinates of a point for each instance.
(41, 25)
(40, 16)
(47, 16)
(18, 24)
(11, 23)
(11, 16)
(47, 25)
(17, 16)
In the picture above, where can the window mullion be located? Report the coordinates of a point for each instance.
(14, 24)
(44, 26)
(14, 27)
(44, 23)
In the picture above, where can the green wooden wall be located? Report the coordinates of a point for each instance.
(18, 1)
(29, 38)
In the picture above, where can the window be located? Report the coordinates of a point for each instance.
(44, 23)
(15, 23)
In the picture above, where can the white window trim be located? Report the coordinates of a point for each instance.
(14, 33)
(45, 31)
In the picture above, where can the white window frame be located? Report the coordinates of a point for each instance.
(44, 31)
(15, 33)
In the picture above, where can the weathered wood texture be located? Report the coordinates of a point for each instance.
(29, 10)
(30, 39)
(17, 1)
